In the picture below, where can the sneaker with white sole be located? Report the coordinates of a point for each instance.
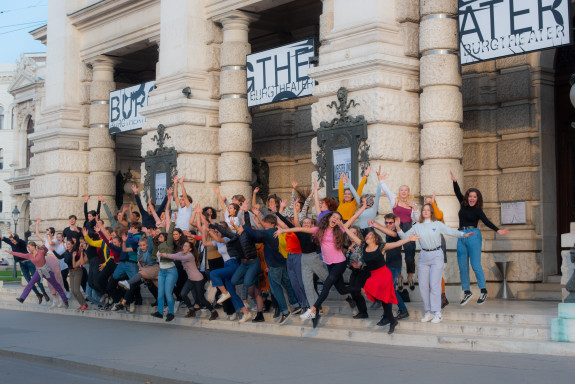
(297, 311)
(177, 306)
(124, 284)
(437, 318)
(285, 318)
(466, 297)
(233, 316)
(224, 297)
(60, 302)
(307, 315)
(428, 317)
(132, 308)
(246, 317)
(482, 298)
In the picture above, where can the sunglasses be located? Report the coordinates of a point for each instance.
(389, 222)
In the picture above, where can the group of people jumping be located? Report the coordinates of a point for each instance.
(277, 253)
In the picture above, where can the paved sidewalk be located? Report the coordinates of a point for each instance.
(220, 357)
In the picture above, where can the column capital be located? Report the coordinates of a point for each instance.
(102, 63)
(235, 20)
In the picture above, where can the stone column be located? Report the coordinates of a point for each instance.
(102, 159)
(441, 104)
(235, 134)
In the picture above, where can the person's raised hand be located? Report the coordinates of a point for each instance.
(85, 231)
(413, 237)
(38, 220)
(217, 190)
(86, 198)
(367, 171)
(294, 184)
(452, 177)
(100, 198)
(135, 189)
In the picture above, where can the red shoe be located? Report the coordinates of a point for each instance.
(84, 307)
(79, 308)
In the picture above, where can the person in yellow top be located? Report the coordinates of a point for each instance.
(348, 197)
(439, 217)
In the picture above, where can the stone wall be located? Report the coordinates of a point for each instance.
(502, 156)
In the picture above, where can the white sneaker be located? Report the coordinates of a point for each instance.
(246, 317)
(233, 316)
(307, 315)
(177, 306)
(68, 295)
(124, 284)
(428, 317)
(132, 308)
(60, 302)
(54, 302)
(437, 318)
(224, 297)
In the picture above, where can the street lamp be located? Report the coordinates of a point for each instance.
(15, 217)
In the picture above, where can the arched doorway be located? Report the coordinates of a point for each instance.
(565, 145)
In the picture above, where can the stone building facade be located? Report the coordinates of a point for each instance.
(493, 124)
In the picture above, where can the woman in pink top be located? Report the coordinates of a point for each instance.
(329, 235)
(408, 212)
(38, 257)
(190, 261)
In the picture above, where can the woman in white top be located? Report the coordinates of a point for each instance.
(230, 213)
(50, 244)
(430, 264)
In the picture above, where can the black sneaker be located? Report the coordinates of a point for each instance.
(284, 318)
(402, 315)
(383, 322)
(444, 301)
(100, 307)
(20, 300)
(466, 297)
(154, 304)
(361, 316)
(482, 298)
(170, 317)
(118, 307)
(277, 312)
(392, 327)
(297, 310)
(66, 305)
(157, 315)
(350, 301)
(411, 284)
(315, 320)
(46, 297)
(259, 318)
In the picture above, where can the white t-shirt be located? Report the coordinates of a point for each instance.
(184, 216)
(233, 222)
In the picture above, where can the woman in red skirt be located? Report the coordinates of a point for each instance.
(380, 286)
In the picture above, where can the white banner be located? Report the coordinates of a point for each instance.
(341, 164)
(490, 29)
(280, 73)
(160, 187)
(125, 105)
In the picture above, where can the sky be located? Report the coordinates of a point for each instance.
(17, 19)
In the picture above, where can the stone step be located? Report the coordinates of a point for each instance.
(377, 335)
(555, 287)
(336, 316)
(539, 295)
(554, 279)
(471, 313)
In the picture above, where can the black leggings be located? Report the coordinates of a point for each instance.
(356, 282)
(387, 312)
(198, 287)
(409, 250)
(334, 278)
(65, 279)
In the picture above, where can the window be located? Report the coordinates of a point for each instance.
(1, 158)
(1, 118)
(29, 130)
(1, 201)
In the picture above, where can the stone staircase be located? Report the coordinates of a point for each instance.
(548, 291)
(497, 326)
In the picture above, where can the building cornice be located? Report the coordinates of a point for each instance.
(107, 10)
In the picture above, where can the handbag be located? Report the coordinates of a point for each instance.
(404, 295)
(211, 292)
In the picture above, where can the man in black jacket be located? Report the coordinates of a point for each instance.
(148, 220)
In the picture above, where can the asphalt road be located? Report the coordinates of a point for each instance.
(197, 355)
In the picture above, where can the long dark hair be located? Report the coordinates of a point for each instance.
(323, 226)
(331, 203)
(479, 203)
(180, 242)
(421, 219)
(194, 251)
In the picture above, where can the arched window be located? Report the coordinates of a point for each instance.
(29, 130)
(1, 118)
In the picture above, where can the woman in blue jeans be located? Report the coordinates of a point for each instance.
(230, 250)
(469, 249)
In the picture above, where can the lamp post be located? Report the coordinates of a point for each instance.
(15, 217)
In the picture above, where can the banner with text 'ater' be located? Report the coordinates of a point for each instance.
(491, 29)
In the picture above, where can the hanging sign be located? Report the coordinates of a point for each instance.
(125, 105)
(280, 73)
(490, 29)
